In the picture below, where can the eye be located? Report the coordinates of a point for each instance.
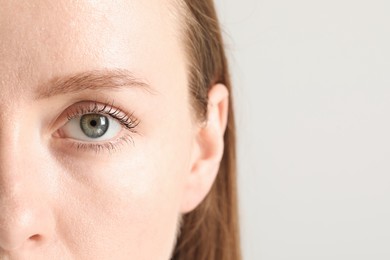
(91, 127)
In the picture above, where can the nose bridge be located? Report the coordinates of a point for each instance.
(19, 174)
(11, 141)
(19, 138)
(24, 212)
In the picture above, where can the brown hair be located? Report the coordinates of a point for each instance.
(211, 230)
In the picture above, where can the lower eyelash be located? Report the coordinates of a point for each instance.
(110, 146)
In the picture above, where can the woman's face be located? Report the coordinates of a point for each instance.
(74, 181)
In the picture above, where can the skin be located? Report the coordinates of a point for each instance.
(60, 202)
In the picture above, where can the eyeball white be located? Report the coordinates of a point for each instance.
(92, 127)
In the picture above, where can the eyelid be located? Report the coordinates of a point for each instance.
(128, 120)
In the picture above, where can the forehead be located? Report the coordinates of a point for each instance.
(42, 39)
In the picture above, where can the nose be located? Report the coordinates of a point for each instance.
(24, 224)
(26, 220)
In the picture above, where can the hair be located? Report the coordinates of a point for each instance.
(211, 231)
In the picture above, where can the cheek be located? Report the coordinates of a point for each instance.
(128, 201)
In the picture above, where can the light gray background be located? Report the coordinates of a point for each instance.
(312, 91)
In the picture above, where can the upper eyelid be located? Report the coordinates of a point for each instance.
(78, 109)
(127, 119)
(97, 107)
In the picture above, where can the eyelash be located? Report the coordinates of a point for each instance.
(126, 120)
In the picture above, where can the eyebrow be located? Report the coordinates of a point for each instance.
(105, 79)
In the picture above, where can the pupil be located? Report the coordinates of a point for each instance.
(93, 123)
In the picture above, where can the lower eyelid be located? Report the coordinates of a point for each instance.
(113, 145)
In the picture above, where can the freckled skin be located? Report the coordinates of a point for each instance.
(57, 202)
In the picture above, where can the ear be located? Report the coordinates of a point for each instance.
(207, 150)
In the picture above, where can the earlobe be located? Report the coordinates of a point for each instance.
(207, 150)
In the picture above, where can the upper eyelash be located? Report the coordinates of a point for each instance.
(127, 120)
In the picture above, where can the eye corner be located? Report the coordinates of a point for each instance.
(58, 134)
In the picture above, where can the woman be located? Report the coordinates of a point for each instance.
(117, 137)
